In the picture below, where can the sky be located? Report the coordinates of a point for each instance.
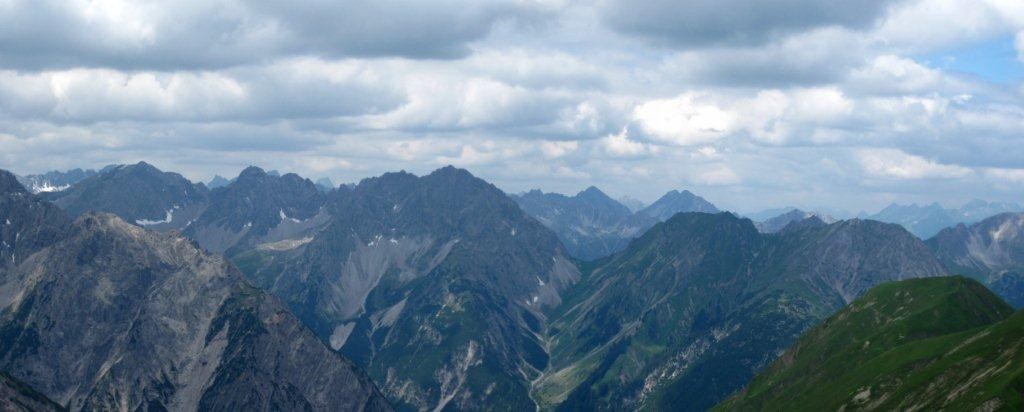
(752, 104)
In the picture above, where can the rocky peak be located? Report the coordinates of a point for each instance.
(9, 183)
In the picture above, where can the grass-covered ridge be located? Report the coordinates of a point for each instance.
(922, 344)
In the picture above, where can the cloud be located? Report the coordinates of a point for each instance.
(682, 120)
(927, 25)
(893, 163)
(705, 23)
(558, 148)
(293, 89)
(620, 145)
(192, 34)
(828, 103)
(1019, 44)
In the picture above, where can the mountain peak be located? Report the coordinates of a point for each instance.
(675, 202)
(9, 183)
(450, 171)
(252, 172)
(594, 193)
(141, 168)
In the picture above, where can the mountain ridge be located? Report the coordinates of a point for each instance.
(936, 343)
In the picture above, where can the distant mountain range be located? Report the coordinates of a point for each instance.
(54, 181)
(922, 344)
(926, 221)
(783, 220)
(447, 292)
(592, 225)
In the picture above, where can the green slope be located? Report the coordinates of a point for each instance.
(922, 344)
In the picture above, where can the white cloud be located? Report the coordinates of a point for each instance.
(683, 120)
(620, 145)
(558, 148)
(718, 176)
(893, 163)
(1011, 175)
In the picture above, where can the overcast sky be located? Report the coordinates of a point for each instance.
(751, 103)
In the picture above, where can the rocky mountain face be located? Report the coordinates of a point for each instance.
(259, 209)
(16, 396)
(923, 344)
(777, 223)
(435, 284)
(693, 308)
(991, 251)
(54, 181)
(157, 323)
(926, 221)
(27, 224)
(592, 225)
(139, 193)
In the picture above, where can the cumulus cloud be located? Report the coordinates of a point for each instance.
(684, 120)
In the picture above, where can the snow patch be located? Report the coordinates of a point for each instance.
(285, 217)
(47, 187)
(167, 219)
(540, 282)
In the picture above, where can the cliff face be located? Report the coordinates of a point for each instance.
(991, 251)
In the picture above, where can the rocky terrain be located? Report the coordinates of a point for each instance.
(991, 251)
(157, 323)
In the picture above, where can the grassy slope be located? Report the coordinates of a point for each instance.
(923, 343)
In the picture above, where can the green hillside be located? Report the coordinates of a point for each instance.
(921, 344)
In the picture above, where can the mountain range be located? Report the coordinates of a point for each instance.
(139, 193)
(54, 181)
(698, 304)
(926, 221)
(592, 225)
(157, 324)
(441, 290)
